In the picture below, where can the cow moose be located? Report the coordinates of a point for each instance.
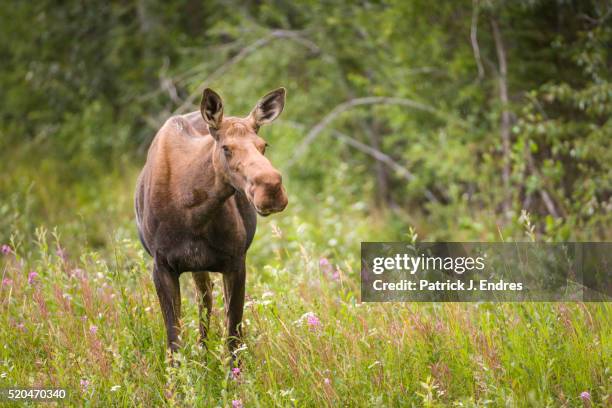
(204, 181)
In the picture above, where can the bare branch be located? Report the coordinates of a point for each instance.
(597, 21)
(376, 154)
(548, 203)
(246, 51)
(474, 39)
(189, 103)
(166, 83)
(383, 158)
(423, 70)
(546, 198)
(350, 104)
(298, 38)
(242, 54)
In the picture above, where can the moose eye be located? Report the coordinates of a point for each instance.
(226, 151)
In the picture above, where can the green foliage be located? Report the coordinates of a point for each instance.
(91, 84)
(85, 86)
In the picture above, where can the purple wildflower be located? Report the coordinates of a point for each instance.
(84, 384)
(32, 277)
(327, 381)
(93, 329)
(235, 373)
(313, 321)
(237, 403)
(325, 266)
(7, 282)
(61, 252)
(21, 326)
(329, 270)
(6, 249)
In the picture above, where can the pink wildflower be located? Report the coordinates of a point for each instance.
(7, 282)
(84, 384)
(32, 277)
(328, 269)
(237, 403)
(313, 321)
(585, 396)
(325, 266)
(235, 373)
(327, 381)
(61, 252)
(6, 249)
(93, 329)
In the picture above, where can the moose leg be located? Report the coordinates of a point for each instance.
(169, 294)
(233, 289)
(204, 294)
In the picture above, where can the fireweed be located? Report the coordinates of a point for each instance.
(90, 322)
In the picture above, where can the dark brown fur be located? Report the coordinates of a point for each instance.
(196, 201)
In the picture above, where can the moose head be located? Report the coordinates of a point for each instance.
(239, 152)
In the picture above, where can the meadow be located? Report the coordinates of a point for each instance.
(84, 316)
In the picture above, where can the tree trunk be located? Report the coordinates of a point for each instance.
(383, 181)
(502, 79)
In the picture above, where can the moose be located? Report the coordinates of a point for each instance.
(205, 179)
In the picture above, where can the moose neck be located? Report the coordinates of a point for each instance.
(208, 189)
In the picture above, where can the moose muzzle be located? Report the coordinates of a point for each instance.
(267, 193)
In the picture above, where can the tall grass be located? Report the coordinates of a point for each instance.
(88, 320)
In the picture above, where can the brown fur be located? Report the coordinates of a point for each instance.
(196, 201)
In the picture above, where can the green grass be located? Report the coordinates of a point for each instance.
(430, 355)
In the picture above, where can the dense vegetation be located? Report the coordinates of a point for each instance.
(455, 120)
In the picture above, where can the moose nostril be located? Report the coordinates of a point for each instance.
(270, 181)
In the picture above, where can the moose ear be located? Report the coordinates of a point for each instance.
(211, 108)
(269, 107)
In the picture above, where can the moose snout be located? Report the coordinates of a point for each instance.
(268, 194)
